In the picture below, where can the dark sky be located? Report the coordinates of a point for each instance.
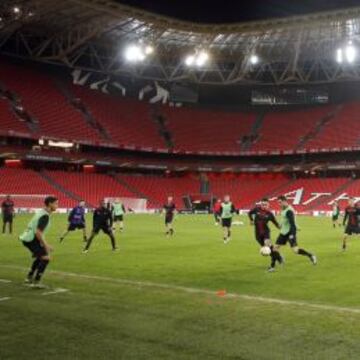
(236, 11)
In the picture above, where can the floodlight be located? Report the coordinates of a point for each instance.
(254, 59)
(350, 53)
(339, 56)
(133, 53)
(201, 58)
(149, 50)
(190, 60)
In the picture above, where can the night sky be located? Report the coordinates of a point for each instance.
(236, 11)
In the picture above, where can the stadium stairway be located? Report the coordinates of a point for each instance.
(318, 127)
(57, 186)
(254, 131)
(133, 189)
(164, 132)
(24, 119)
(82, 109)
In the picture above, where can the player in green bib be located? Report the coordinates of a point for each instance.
(34, 239)
(227, 211)
(118, 211)
(335, 214)
(288, 230)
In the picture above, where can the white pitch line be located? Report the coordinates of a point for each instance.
(191, 290)
(5, 281)
(5, 298)
(55, 291)
(210, 292)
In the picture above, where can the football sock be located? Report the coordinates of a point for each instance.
(273, 260)
(41, 269)
(276, 255)
(90, 239)
(33, 268)
(112, 238)
(304, 253)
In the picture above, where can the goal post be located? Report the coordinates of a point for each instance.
(132, 204)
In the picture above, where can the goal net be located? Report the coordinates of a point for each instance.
(25, 202)
(132, 204)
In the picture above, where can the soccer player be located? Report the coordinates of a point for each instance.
(350, 221)
(227, 211)
(119, 211)
(76, 220)
(170, 209)
(288, 230)
(335, 214)
(34, 239)
(216, 211)
(101, 221)
(7, 209)
(260, 216)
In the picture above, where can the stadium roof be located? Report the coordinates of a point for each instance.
(91, 35)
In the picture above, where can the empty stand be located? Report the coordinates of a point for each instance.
(283, 130)
(40, 98)
(343, 131)
(28, 182)
(127, 121)
(157, 188)
(245, 190)
(90, 187)
(209, 131)
(311, 186)
(8, 121)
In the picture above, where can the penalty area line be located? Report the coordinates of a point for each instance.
(55, 291)
(190, 290)
(5, 281)
(4, 298)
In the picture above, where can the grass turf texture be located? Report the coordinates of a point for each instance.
(108, 319)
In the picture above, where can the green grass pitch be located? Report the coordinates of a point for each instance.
(114, 309)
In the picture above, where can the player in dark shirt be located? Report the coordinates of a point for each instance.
(350, 221)
(76, 220)
(102, 220)
(170, 209)
(260, 216)
(7, 210)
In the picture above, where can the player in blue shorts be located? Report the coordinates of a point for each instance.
(76, 220)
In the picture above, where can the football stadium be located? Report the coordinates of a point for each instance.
(179, 186)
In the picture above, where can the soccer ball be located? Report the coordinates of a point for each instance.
(265, 251)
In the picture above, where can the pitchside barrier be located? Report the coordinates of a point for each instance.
(26, 203)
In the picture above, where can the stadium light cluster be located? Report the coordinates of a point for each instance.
(137, 52)
(346, 54)
(198, 59)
